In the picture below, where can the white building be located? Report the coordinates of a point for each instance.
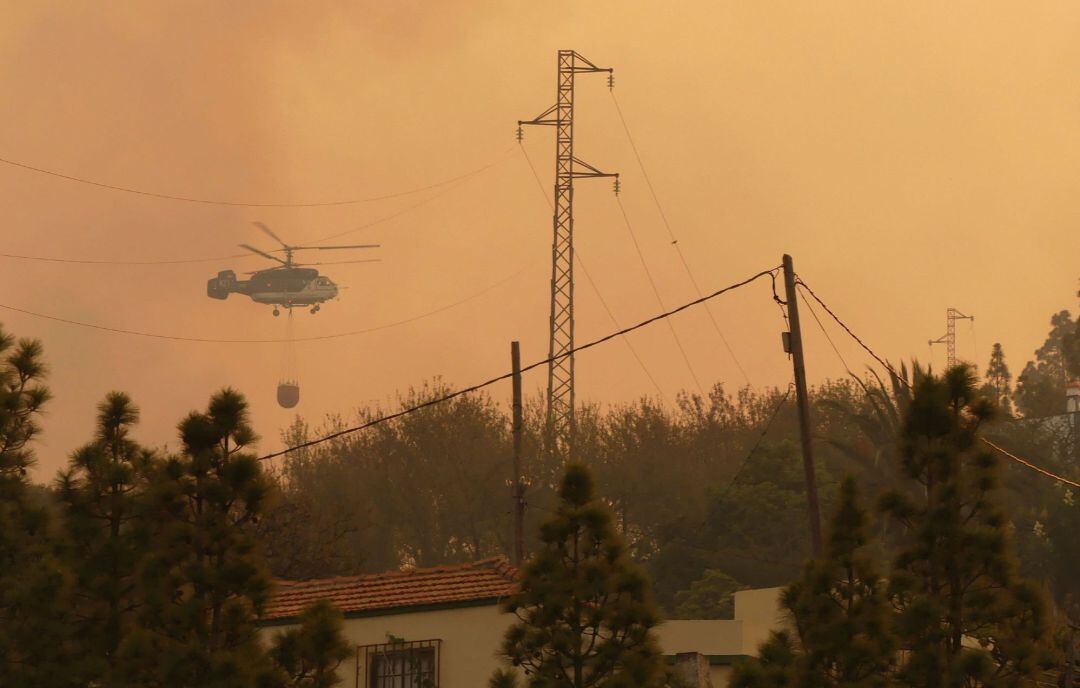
(442, 627)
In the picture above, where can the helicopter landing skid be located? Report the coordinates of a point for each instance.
(313, 310)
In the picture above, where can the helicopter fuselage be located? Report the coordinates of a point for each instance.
(283, 286)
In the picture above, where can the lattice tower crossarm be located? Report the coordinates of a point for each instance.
(561, 426)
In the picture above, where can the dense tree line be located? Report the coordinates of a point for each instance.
(708, 494)
(138, 567)
(951, 610)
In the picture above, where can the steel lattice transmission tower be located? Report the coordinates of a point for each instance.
(560, 391)
(949, 338)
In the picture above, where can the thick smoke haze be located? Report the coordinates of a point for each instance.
(910, 157)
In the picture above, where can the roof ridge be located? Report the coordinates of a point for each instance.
(485, 579)
(498, 562)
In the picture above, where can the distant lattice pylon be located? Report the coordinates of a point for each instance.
(949, 338)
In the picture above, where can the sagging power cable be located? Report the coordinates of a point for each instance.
(531, 366)
(208, 340)
(592, 282)
(659, 298)
(247, 204)
(235, 256)
(671, 235)
(1001, 450)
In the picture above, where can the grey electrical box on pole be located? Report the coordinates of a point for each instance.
(793, 345)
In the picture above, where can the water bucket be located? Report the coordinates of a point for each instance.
(288, 394)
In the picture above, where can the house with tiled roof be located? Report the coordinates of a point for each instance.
(441, 627)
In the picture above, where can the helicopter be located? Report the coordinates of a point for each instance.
(287, 285)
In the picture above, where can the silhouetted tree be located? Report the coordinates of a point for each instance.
(101, 493)
(710, 597)
(1059, 534)
(840, 616)
(997, 384)
(965, 618)
(308, 656)
(35, 632)
(204, 582)
(1040, 388)
(585, 614)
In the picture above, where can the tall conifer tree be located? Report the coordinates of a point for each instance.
(101, 494)
(998, 381)
(308, 656)
(841, 633)
(205, 582)
(35, 633)
(585, 612)
(965, 618)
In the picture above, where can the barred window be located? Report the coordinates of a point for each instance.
(399, 665)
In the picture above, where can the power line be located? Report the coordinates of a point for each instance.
(592, 282)
(753, 449)
(671, 235)
(659, 299)
(825, 332)
(245, 204)
(206, 340)
(607, 309)
(531, 366)
(1009, 455)
(761, 437)
(232, 256)
(1028, 464)
(847, 329)
(81, 261)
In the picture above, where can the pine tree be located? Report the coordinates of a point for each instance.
(308, 656)
(1040, 388)
(34, 586)
(965, 618)
(585, 613)
(101, 496)
(710, 597)
(839, 613)
(998, 384)
(204, 582)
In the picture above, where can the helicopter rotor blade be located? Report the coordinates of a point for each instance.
(330, 248)
(338, 262)
(264, 254)
(270, 232)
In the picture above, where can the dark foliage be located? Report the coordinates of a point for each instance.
(584, 611)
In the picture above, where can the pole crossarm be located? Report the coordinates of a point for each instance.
(589, 171)
(580, 64)
(543, 119)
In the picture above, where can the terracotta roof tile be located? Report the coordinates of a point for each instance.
(480, 580)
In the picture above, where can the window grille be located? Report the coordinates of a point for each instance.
(412, 664)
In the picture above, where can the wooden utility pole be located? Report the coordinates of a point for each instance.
(795, 348)
(519, 482)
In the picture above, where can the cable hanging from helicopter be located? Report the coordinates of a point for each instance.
(288, 285)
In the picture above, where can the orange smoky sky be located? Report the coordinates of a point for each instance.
(911, 156)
